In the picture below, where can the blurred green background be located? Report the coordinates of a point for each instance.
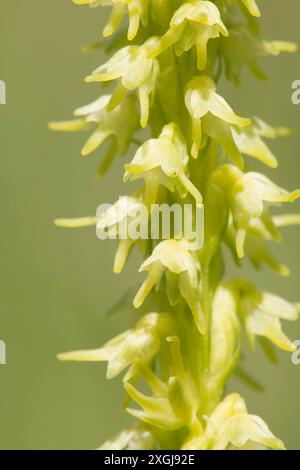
(56, 285)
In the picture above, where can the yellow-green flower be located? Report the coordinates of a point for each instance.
(140, 344)
(134, 70)
(174, 403)
(247, 195)
(194, 24)
(174, 257)
(231, 425)
(207, 109)
(261, 313)
(255, 244)
(163, 161)
(116, 222)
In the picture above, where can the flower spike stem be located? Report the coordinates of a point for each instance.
(167, 59)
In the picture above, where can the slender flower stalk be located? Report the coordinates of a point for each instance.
(169, 56)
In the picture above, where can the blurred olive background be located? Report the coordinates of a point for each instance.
(57, 285)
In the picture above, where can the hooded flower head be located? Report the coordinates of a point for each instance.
(163, 161)
(231, 425)
(139, 345)
(173, 257)
(202, 102)
(261, 312)
(194, 24)
(135, 71)
(247, 195)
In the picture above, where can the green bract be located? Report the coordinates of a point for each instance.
(165, 75)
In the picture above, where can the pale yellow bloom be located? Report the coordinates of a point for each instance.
(174, 403)
(231, 425)
(202, 102)
(175, 257)
(247, 195)
(129, 348)
(182, 359)
(244, 47)
(135, 70)
(163, 161)
(254, 245)
(193, 24)
(261, 313)
(115, 222)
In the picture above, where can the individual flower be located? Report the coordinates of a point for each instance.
(247, 195)
(255, 244)
(209, 110)
(231, 425)
(117, 220)
(134, 70)
(174, 403)
(193, 24)
(110, 124)
(174, 257)
(137, 346)
(163, 161)
(114, 222)
(261, 312)
(250, 142)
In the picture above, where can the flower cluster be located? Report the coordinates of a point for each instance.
(199, 150)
